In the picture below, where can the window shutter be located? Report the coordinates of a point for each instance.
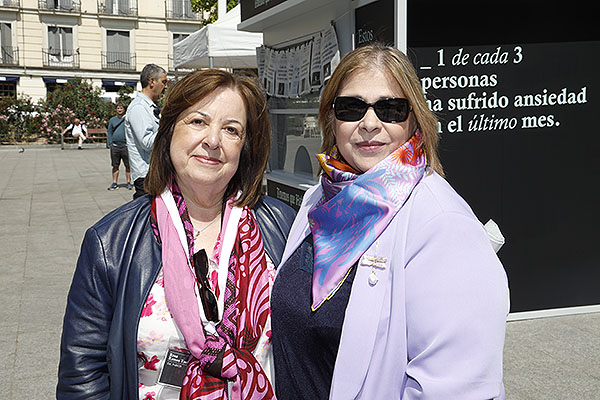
(53, 40)
(67, 41)
(5, 31)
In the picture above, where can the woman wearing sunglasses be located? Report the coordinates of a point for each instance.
(389, 287)
(170, 298)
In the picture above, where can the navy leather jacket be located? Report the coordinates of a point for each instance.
(118, 264)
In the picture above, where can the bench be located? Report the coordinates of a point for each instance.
(94, 135)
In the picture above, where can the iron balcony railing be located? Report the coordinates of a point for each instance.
(9, 55)
(10, 3)
(118, 60)
(60, 5)
(180, 9)
(125, 8)
(58, 58)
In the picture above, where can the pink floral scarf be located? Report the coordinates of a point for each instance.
(246, 308)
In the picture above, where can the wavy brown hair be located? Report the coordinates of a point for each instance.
(193, 88)
(398, 67)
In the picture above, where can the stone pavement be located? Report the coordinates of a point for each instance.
(49, 197)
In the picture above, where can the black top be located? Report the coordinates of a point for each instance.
(305, 342)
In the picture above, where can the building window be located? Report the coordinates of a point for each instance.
(8, 55)
(60, 5)
(118, 7)
(8, 89)
(10, 3)
(60, 40)
(60, 51)
(178, 37)
(180, 9)
(117, 54)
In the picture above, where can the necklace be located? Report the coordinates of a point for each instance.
(203, 229)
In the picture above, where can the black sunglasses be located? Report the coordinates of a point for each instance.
(209, 302)
(395, 109)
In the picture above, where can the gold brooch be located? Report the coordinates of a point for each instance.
(373, 262)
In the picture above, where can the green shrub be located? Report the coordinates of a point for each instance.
(125, 93)
(18, 118)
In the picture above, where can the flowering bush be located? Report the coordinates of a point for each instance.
(18, 116)
(21, 120)
(84, 100)
(52, 123)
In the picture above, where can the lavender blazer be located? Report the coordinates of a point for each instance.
(433, 325)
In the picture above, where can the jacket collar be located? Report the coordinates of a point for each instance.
(300, 228)
(363, 319)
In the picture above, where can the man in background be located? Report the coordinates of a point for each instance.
(78, 130)
(141, 123)
(115, 135)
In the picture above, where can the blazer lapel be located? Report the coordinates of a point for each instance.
(363, 314)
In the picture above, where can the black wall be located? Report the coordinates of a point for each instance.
(537, 182)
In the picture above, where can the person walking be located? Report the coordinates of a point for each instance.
(78, 130)
(115, 136)
(141, 123)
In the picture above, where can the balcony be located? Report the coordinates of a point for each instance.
(9, 55)
(10, 4)
(67, 6)
(57, 58)
(120, 61)
(119, 8)
(181, 10)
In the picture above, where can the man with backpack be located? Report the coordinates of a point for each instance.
(115, 136)
(78, 130)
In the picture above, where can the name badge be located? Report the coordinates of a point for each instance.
(174, 367)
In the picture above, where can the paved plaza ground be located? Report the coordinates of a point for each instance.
(49, 197)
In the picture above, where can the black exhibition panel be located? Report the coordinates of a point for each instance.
(515, 85)
(250, 8)
(374, 22)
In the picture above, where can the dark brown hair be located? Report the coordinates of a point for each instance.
(395, 64)
(193, 88)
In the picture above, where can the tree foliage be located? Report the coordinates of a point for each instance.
(210, 8)
(125, 93)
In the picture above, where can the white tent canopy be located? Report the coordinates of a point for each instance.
(219, 44)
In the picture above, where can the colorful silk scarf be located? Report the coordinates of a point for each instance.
(356, 209)
(246, 307)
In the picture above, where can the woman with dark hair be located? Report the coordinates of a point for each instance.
(389, 287)
(170, 298)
